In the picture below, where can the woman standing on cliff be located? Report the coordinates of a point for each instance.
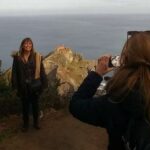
(126, 106)
(29, 79)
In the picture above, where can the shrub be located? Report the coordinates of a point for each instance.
(9, 102)
(50, 96)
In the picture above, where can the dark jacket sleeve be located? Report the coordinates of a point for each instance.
(14, 80)
(43, 76)
(84, 106)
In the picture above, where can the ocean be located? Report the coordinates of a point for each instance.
(89, 35)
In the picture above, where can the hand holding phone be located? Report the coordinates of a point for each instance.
(114, 61)
(103, 65)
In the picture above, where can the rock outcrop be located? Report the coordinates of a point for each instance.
(68, 67)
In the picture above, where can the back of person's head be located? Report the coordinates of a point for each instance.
(23, 42)
(134, 72)
(136, 51)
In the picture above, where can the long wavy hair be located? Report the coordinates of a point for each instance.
(134, 71)
(21, 50)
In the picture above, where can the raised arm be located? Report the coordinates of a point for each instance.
(83, 105)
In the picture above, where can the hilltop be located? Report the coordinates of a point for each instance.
(69, 67)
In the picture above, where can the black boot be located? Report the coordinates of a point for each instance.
(25, 128)
(36, 126)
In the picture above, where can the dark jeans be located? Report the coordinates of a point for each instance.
(32, 100)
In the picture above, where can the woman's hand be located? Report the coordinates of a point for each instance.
(102, 65)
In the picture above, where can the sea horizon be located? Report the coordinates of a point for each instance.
(90, 35)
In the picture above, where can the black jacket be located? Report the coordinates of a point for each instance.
(103, 111)
(21, 72)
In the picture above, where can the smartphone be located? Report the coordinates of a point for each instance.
(114, 61)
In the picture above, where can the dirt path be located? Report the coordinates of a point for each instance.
(60, 131)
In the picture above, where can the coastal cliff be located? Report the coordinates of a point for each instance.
(69, 67)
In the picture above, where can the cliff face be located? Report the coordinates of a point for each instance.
(68, 67)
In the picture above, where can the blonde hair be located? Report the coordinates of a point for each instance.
(134, 71)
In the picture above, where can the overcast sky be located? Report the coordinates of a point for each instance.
(73, 6)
